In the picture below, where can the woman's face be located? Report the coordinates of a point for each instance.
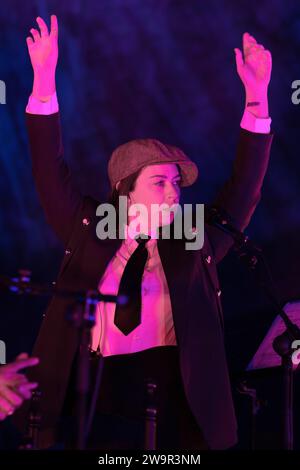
(157, 184)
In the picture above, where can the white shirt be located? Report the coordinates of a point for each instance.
(156, 327)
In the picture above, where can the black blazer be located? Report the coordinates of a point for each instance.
(191, 277)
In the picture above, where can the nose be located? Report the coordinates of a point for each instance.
(172, 194)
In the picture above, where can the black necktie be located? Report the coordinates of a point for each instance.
(128, 317)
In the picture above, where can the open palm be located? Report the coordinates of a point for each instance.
(43, 47)
(255, 67)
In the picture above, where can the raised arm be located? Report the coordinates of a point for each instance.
(241, 193)
(58, 195)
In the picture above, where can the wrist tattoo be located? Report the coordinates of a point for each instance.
(253, 103)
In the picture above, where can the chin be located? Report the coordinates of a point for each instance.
(167, 219)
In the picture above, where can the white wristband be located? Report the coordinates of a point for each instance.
(36, 106)
(252, 123)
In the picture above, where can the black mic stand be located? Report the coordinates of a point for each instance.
(252, 257)
(83, 318)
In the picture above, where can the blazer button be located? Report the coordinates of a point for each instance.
(219, 292)
(208, 259)
(85, 221)
(67, 252)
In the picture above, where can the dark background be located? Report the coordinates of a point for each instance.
(164, 69)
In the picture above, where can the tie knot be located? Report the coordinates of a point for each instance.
(142, 239)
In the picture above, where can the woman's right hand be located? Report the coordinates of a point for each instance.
(43, 52)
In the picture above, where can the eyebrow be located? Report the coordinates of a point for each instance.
(164, 176)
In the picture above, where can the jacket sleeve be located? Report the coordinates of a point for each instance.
(242, 192)
(58, 195)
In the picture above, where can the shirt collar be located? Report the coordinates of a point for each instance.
(132, 244)
(130, 234)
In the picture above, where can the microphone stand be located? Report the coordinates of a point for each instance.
(83, 318)
(252, 256)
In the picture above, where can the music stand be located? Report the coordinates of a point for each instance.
(267, 357)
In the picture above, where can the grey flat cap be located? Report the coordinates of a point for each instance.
(136, 154)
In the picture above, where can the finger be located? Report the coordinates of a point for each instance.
(16, 379)
(43, 26)
(247, 42)
(2, 415)
(256, 56)
(268, 55)
(21, 364)
(25, 389)
(29, 41)
(22, 356)
(249, 38)
(35, 34)
(238, 59)
(256, 47)
(13, 398)
(252, 53)
(54, 26)
(6, 406)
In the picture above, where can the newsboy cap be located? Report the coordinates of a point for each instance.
(136, 154)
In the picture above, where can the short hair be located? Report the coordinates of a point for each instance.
(125, 187)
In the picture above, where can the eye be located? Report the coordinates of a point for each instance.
(177, 183)
(159, 183)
